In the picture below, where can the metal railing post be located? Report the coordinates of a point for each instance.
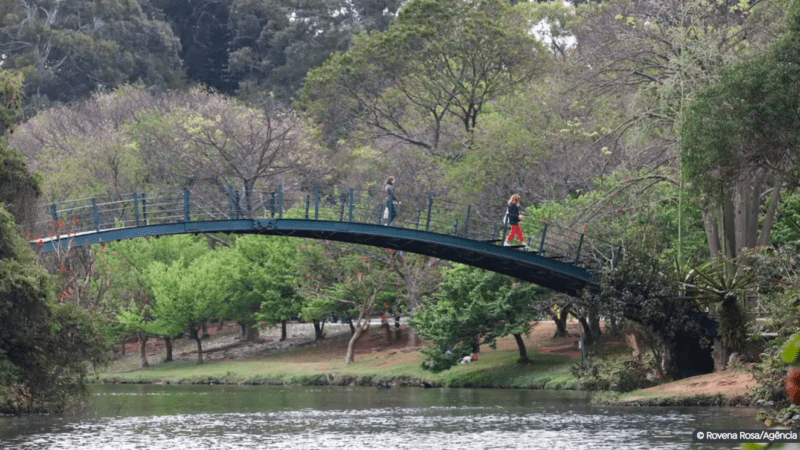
(185, 204)
(430, 205)
(578, 251)
(455, 227)
(416, 220)
(280, 201)
(96, 215)
(272, 204)
(466, 222)
(380, 213)
(351, 205)
(144, 208)
(341, 211)
(316, 203)
(308, 203)
(230, 202)
(541, 243)
(136, 207)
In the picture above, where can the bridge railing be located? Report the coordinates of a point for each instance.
(425, 213)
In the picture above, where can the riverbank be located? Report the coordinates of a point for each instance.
(300, 360)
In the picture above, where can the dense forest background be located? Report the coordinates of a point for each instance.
(667, 128)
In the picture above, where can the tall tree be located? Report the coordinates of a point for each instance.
(474, 307)
(187, 297)
(337, 273)
(69, 49)
(425, 81)
(739, 143)
(276, 42)
(267, 283)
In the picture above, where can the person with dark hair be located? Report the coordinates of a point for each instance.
(391, 201)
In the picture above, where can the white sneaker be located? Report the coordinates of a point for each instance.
(506, 244)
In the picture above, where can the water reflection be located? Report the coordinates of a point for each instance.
(237, 417)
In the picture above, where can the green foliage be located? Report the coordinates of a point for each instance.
(472, 307)
(45, 346)
(428, 75)
(10, 99)
(66, 50)
(614, 374)
(266, 279)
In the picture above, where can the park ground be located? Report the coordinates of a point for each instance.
(302, 360)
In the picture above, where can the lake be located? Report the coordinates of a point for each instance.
(123, 417)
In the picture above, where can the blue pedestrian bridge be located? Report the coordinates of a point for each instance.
(558, 258)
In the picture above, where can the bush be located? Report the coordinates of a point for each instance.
(606, 374)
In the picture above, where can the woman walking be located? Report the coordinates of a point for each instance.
(514, 218)
(391, 201)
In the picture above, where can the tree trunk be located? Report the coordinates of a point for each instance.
(142, 338)
(204, 327)
(352, 327)
(720, 355)
(397, 334)
(769, 217)
(317, 329)
(387, 328)
(413, 338)
(594, 323)
(561, 322)
(588, 339)
(249, 333)
(712, 231)
(197, 338)
(523, 353)
(349, 358)
(283, 330)
(168, 346)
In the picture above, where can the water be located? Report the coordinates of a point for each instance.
(123, 417)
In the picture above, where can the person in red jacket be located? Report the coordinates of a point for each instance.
(514, 218)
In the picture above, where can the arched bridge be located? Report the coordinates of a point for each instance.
(434, 228)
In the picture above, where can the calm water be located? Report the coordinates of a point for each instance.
(332, 417)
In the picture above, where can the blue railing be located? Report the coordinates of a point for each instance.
(68, 218)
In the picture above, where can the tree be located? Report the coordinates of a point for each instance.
(44, 355)
(187, 296)
(474, 307)
(68, 50)
(120, 272)
(69, 142)
(266, 286)
(655, 56)
(210, 141)
(739, 140)
(342, 274)
(275, 43)
(425, 81)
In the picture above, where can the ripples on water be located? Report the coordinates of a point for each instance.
(504, 425)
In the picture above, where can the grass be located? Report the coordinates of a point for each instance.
(325, 365)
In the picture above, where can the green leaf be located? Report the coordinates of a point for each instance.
(791, 349)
